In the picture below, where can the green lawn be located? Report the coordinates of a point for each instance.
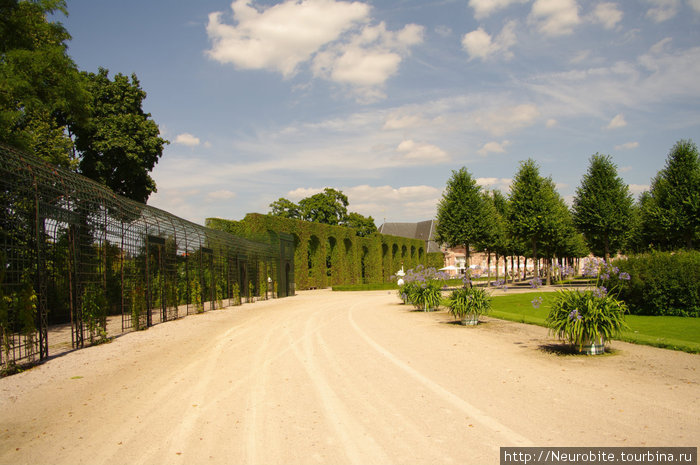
(670, 332)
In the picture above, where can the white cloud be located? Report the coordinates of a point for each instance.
(478, 43)
(638, 188)
(555, 17)
(664, 77)
(663, 10)
(402, 121)
(627, 146)
(282, 36)
(420, 152)
(551, 123)
(661, 46)
(607, 14)
(368, 59)
(506, 119)
(187, 139)
(502, 184)
(407, 203)
(580, 56)
(493, 147)
(222, 194)
(617, 122)
(695, 5)
(484, 8)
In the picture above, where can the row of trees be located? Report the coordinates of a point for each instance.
(83, 121)
(535, 221)
(327, 207)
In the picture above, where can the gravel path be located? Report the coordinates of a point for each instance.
(340, 377)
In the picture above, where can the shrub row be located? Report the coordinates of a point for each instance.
(662, 283)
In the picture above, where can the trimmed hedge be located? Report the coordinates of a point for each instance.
(328, 255)
(662, 283)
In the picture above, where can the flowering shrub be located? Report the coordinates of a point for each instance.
(468, 303)
(422, 287)
(589, 316)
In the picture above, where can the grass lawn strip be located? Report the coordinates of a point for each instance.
(668, 332)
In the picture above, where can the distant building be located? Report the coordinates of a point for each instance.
(423, 230)
(453, 257)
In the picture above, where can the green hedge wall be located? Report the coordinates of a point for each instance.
(328, 255)
(662, 283)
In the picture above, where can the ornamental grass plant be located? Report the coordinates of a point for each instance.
(468, 303)
(593, 316)
(423, 288)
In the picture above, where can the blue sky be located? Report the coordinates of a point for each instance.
(383, 99)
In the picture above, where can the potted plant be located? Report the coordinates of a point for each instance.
(468, 303)
(587, 319)
(423, 288)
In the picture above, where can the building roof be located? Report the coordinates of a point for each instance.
(423, 230)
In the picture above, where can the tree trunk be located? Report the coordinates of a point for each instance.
(548, 268)
(606, 245)
(534, 258)
(488, 265)
(497, 267)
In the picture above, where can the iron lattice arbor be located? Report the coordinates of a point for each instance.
(73, 251)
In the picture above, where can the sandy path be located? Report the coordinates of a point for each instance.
(329, 377)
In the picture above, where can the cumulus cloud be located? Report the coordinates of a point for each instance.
(502, 184)
(420, 152)
(663, 10)
(407, 203)
(627, 146)
(695, 5)
(638, 188)
(551, 123)
(479, 44)
(617, 122)
(484, 8)
(493, 147)
(555, 17)
(506, 119)
(402, 121)
(282, 36)
(607, 14)
(368, 59)
(187, 139)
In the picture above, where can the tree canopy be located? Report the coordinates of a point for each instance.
(327, 207)
(79, 121)
(602, 207)
(671, 211)
(460, 213)
(537, 213)
(40, 87)
(119, 144)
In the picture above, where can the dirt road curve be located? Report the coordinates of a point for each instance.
(340, 378)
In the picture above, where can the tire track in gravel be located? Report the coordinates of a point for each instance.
(479, 416)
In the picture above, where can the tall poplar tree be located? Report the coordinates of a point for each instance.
(535, 212)
(602, 207)
(671, 212)
(460, 215)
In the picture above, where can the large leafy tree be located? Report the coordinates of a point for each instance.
(119, 144)
(671, 212)
(602, 207)
(40, 87)
(535, 212)
(364, 225)
(461, 213)
(285, 208)
(327, 207)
